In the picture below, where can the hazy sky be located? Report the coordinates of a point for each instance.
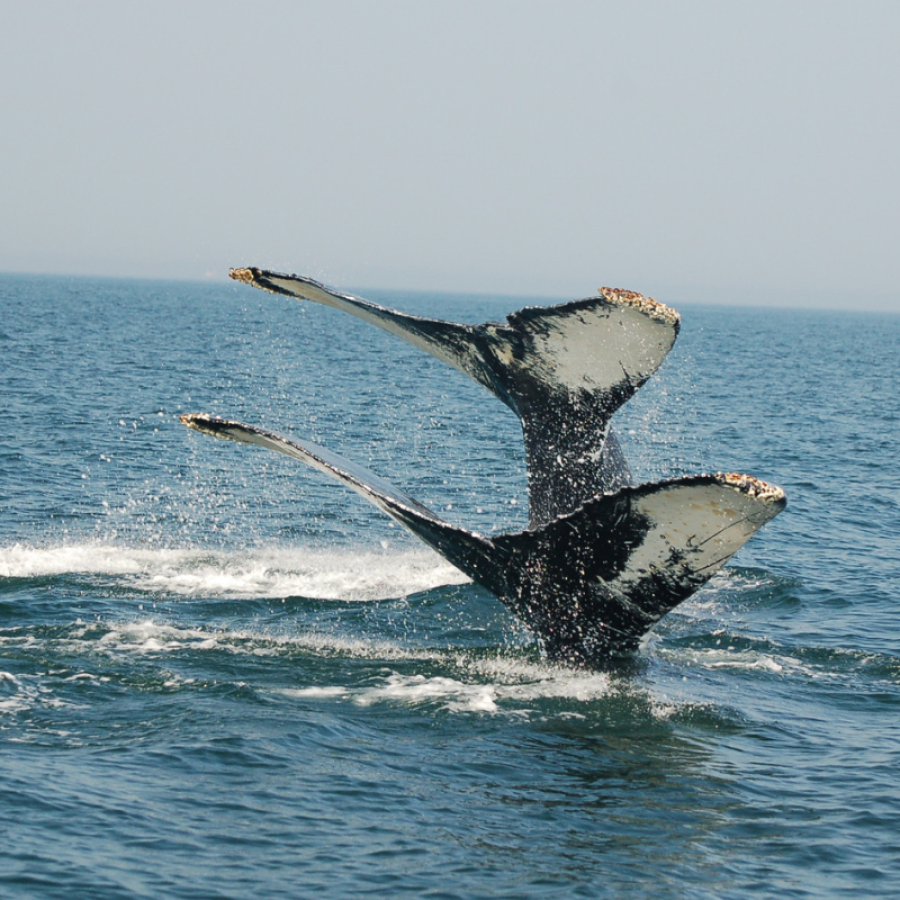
(718, 151)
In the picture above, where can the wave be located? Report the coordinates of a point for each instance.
(462, 695)
(335, 574)
(453, 680)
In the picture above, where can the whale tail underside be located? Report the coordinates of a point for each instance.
(591, 583)
(564, 370)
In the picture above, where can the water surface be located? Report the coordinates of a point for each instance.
(222, 675)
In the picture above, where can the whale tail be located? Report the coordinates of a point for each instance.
(564, 370)
(591, 583)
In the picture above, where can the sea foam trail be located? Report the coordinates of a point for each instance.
(468, 683)
(338, 574)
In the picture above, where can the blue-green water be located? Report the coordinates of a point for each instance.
(223, 676)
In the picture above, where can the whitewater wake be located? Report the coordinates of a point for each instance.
(339, 574)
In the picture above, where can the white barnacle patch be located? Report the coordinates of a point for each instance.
(747, 484)
(648, 305)
(244, 275)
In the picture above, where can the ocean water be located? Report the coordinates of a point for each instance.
(224, 676)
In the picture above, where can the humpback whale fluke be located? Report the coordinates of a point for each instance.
(602, 561)
(591, 583)
(564, 370)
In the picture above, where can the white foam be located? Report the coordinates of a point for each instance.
(333, 691)
(12, 694)
(502, 684)
(20, 694)
(416, 689)
(728, 657)
(510, 684)
(522, 680)
(149, 636)
(338, 574)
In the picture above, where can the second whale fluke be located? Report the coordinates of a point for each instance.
(591, 583)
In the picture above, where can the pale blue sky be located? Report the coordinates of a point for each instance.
(714, 151)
